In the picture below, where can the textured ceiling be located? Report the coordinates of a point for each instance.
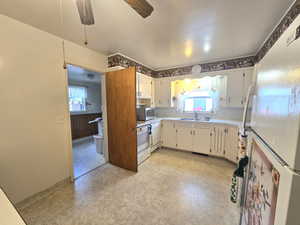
(181, 32)
(78, 74)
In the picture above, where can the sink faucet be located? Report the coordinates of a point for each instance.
(196, 116)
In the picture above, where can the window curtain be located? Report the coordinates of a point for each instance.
(183, 89)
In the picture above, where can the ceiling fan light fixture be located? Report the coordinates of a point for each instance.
(85, 11)
(142, 7)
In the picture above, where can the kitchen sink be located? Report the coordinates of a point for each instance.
(189, 119)
(192, 119)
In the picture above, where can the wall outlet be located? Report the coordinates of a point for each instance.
(298, 33)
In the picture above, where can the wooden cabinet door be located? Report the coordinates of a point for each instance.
(169, 137)
(144, 86)
(231, 149)
(165, 88)
(221, 141)
(138, 85)
(235, 89)
(121, 100)
(163, 92)
(153, 103)
(218, 141)
(147, 87)
(184, 136)
(248, 80)
(202, 140)
(221, 84)
(156, 134)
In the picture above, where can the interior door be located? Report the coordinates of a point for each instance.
(121, 114)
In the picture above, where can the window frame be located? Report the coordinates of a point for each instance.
(84, 99)
(197, 97)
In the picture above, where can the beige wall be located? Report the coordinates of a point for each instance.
(34, 135)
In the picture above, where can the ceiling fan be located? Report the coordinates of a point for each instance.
(142, 7)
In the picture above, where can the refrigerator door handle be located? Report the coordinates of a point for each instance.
(246, 107)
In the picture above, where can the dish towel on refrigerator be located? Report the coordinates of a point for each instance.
(234, 189)
(239, 172)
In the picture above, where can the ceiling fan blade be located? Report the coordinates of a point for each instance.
(142, 7)
(85, 11)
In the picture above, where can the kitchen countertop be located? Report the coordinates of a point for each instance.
(145, 123)
(212, 121)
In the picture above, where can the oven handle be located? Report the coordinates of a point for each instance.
(150, 129)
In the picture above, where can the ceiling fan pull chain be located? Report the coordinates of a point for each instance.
(62, 29)
(85, 35)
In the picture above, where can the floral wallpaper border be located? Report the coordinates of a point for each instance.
(283, 25)
(209, 67)
(120, 60)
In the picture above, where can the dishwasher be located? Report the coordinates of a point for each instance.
(143, 143)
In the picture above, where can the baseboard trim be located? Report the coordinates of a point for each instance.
(42, 194)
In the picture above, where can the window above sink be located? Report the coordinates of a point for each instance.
(199, 95)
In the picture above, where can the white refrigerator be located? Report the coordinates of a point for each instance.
(271, 191)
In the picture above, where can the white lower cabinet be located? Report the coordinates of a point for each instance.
(218, 140)
(231, 146)
(211, 139)
(202, 139)
(169, 136)
(155, 136)
(185, 136)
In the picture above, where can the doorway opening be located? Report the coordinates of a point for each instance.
(86, 104)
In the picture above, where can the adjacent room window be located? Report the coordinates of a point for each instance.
(77, 98)
(198, 101)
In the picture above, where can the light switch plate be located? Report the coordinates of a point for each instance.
(293, 37)
(298, 33)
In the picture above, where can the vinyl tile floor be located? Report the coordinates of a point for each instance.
(171, 188)
(85, 157)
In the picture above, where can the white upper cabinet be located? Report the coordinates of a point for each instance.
(248, 81)
(235, 89)
(162, 92)
(221, 85)
(238, 83)
(144, 86)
